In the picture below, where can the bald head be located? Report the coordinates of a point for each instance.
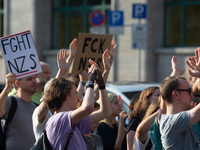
(45, 75)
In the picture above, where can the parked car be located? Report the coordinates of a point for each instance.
(127, 90)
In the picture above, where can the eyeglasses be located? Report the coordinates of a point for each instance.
(188, 90)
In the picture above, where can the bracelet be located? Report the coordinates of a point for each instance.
(89, 82)
(82, 83)
(90, 86)
(102, 87)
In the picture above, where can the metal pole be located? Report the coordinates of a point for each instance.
(115, 75)
(139, 59)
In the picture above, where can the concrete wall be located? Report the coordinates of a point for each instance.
(151, 64)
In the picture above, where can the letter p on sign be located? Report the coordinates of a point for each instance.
(115, 18)
(139, 11)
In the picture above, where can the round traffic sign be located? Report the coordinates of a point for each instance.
(96, 18)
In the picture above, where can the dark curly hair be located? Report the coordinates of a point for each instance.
(56, 93)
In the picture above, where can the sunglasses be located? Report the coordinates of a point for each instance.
(188, 90)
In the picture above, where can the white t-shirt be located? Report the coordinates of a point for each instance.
(140, 146)
(39, 127)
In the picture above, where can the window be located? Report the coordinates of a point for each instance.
(71, 17)
(1, 18)
(182, 22)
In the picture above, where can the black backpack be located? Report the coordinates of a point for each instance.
(11, 113)
(43, 143)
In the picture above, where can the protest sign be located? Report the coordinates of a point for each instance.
(20, 54)
(90, 46)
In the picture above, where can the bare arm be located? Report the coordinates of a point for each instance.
(83, 79)
(144, 127)
(104, 110)
(63, 68)
(88, 103)
(130, 137)
(196, 87)
(10, 79)
(195, 115)
(42, 112)
(121, 130)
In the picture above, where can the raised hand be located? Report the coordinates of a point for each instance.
(83, 76)
(72, 48)
(61, 59)
(176, 71)
(121, 102)
(122, 117)
(106, 60)
(194, 70)
(91, 70)
(99, 79)
(197, 56)
(112, 51)
(10, 79)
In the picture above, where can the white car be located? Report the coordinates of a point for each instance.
(127, 90)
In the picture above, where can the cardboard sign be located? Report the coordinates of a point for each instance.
(90, 46)
(20, 54)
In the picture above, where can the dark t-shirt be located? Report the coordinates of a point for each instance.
(109, 136)
(94, 142)
(133, 124)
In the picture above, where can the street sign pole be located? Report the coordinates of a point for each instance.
(139, 60)
(139, 41)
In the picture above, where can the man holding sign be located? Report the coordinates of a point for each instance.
(22, 62)
(19, 135)
(20, 54)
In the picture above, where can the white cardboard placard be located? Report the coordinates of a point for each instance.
(20, 54)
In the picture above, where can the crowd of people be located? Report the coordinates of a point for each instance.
(77, 113)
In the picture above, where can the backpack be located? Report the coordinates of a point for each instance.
(43, 143)
(3, 128)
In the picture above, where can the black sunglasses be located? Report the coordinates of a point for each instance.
(188, 90)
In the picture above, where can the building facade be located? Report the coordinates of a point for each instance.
(172, 28)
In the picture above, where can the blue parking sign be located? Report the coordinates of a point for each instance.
(115, 18)
(139, 11)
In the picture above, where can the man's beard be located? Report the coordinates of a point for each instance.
(42, 83)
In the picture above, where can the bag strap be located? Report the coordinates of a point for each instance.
(47, 144)
(70, 136)
(12, 111)
(149, 145)
(46, 141)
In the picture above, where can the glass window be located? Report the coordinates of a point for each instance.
(182, 23)
(70, 17)
(60, 3)
(173, 30)
(192, 25)
(59, 29)
(76, 24)
(76, 2)
(92, 2)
